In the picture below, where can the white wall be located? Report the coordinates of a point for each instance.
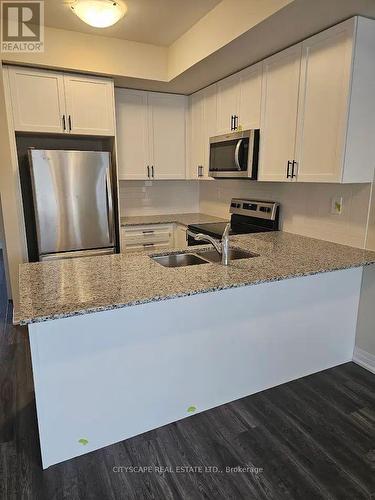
(365, 339)
(218, 27)
(158, 197)
(305, 207)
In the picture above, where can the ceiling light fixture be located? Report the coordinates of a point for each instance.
(99, 13)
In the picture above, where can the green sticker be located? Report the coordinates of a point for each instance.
(191, 409)
(83, 441)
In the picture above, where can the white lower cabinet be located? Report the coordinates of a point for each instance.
(153, 237)
(180, 240)
(147, 237)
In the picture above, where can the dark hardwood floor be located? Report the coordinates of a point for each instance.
(309, 439)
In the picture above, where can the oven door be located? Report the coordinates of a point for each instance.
(232, 155)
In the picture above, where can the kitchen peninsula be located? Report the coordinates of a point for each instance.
(121, 345)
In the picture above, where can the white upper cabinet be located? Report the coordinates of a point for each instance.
(197, 136)
(89, 105)
(239, 100)
(279, 114)
(250, 92)
(37, 100)
(228, 91)
(323, 104)
(132, 134)
(202, 126)
(335, 108)
(210, 120)
(48, 101)
(167, 133)
(151, 135)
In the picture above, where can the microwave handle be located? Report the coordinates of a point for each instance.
(237, 154)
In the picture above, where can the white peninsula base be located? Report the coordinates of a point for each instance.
(107, 376)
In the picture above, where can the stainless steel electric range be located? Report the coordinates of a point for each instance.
(248, 216)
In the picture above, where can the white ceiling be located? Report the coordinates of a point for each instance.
(159, 22)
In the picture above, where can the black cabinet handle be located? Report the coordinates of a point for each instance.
(63, 121)
(70, 123)
(152, 171)
(288, 174)
(294, 164)
(200, 171)
(235, 127)
(232, 122)
(148, 171)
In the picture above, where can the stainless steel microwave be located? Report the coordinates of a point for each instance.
(235, 155)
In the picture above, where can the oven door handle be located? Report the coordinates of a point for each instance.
(237, 155)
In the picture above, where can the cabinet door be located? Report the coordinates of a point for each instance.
(132, 134)
(167, 122)
(90, 105)
(37, 99)
(180, 236)
(227, 102)
(210, 120)
(197, 165)
(323, 104)
(250, 97)
(280, 84)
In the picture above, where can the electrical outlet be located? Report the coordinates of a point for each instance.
(337, 205)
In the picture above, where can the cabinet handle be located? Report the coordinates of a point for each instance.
(152, 171)
(200, 171)
(148, 231)
(294, 164)
(235, 127)
(148, 171)
(288, 174)
(64, 123)
(148, 244)
(232, 122)
(70, 123)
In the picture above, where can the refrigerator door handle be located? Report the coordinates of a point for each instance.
(110, 205)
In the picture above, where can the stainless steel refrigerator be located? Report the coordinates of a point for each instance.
(73, 202)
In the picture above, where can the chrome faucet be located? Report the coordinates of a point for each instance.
(221, 246)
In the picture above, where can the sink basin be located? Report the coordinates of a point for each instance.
(234, 254)
(179, 260)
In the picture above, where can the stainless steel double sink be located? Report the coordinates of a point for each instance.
(200, 257)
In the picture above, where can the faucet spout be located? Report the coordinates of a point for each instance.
(221, 246)
(225, 246)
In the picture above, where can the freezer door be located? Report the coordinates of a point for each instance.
(72, 193)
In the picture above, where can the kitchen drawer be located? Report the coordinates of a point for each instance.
(147, 238)
(139, 237)
(146, 246)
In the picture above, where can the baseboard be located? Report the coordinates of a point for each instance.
(364, 359)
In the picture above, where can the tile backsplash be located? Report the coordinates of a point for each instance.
(158, 197)
(306, 207)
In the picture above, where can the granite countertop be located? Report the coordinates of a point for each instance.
(183, 219)
(59, 289)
